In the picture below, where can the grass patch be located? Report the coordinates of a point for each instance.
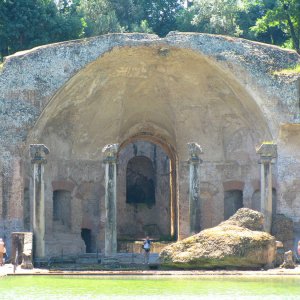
(268, 142)
(288, 71)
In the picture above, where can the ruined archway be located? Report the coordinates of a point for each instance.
(143, 94)
(140, 181)
(147, 160)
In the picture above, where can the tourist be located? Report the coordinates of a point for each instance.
(2, 251)
(146, 247)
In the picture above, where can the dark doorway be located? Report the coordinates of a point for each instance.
(62, 209)
(233, 200)
(87, 238)
(147, 173)
(26, 210)
(140, 178)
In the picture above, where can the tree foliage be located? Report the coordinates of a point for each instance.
(161, 15)
(99, 16)
(285, 16)
(216, 16)
(28, 23)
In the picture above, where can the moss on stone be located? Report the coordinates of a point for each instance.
(230, 245)
(289, 71)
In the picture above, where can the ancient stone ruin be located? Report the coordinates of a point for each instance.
(288, 260)
(235, 243)
(108, 139)
(21, 249)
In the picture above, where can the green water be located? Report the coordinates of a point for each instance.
(148, 287)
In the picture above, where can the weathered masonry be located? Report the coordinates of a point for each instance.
(131, 134)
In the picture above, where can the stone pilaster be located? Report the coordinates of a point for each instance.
(194, 187)
(268, 154)
(38, 154)
(110, 160)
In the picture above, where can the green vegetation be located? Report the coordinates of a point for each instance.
(288, 71)
(28, 23)
(269, 142)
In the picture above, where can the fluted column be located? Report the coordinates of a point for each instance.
(38, 154)
(110, 161)
(268, 154)
(194, 186)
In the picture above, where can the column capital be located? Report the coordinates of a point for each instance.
(38, 153)
(267, 152)
(110, 152)
(194, 151)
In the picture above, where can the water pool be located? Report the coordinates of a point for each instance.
(149, 287)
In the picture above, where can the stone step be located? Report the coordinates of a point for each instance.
(88, 260)
(136, 246)
(90, 255)
(98, 258)
(136, 258)
(111, 262)
(64, 260)
(101, 267)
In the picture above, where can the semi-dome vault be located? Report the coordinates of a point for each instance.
(152, 97)
(175, 94)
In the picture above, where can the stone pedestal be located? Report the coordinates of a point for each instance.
(38, 153)
(110, 162)
(268, 153)
(288, 262)
(21, 249)
(194, 187)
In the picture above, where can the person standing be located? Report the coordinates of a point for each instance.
(2, 251)
(147, 246)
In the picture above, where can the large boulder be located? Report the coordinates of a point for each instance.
(235, 243)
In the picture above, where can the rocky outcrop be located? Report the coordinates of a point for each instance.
(235, 243)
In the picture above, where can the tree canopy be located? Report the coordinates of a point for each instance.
(28, 23)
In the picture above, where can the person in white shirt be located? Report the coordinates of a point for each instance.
(147, 246)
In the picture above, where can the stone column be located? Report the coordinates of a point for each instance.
(268, 153)
(38, 154)
(194, 187)
(110, 161)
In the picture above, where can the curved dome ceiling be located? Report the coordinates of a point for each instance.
(173, 93)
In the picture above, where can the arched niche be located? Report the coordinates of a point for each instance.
(61, 210)
(233, 200)
(140, 178)
(181, 97)
(135, 94)
(146, 199)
